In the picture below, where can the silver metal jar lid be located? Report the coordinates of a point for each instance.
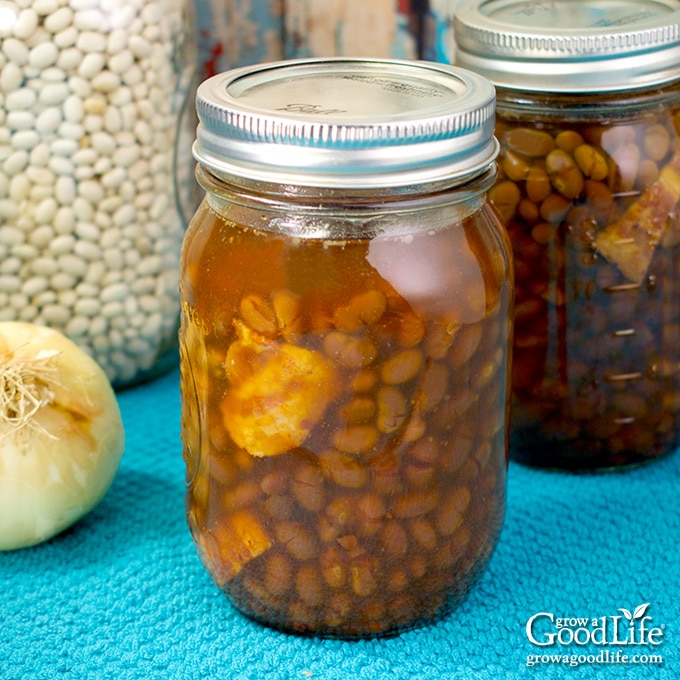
(346, 123)
(570, 45)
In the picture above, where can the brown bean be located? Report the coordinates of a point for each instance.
(397, 580)
(335, 519)
(338, 610)
(538, 186)
(410, 329)
(308, 487)
(362, 310)
(529, 142)
(274, 482)
(564, 174)
(258, 314)
(544, 233)
(333, 566)
(297, 539)
(309, 586)
(453, 549)
(417, 565)
(394, 539)
(423, 533)
(433, 385)
(371, 513)
(451, 511)
(505, 197)
(363, 575)
(555, 208)
(514, 166)
(402, 367)
(242, 496)
(439, 337)
(279, 506)
(289, 318)
(568, 140)
(465, 344)
(356, 439)
(358, 410)
(415, 504)
(278, 574)
(591, 162)
(343, 469)
(348, 350)
(528, 211)
(392, 409)
(418, 475)
(364, 381)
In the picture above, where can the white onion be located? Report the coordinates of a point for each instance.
(61, 434)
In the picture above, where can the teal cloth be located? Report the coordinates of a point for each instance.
(123, 594)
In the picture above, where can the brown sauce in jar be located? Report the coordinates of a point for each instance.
(344, 417)
(591, 206)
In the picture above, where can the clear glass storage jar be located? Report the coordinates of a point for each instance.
(91, 101)
(345, 333)
(588, 118)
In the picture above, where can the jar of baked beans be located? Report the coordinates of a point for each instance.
(346, 293)
(588, 118)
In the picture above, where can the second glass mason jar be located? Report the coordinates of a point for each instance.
(346, 294)
(588, 118)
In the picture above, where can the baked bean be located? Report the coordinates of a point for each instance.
(392, 409)
(343, 469)
(402, 367)
(359, 410)
(333, 566)
(288, 314)
(451, 511)
(529, 142)
(308, 487)
(278, 574)
(591, 162)
(364, 381)
(433, 385)
(423, 534)
(308, 585)
(538, 184)
(568, 140)
(371, 512)
(505, 197)
(350, 351)
(356, 438)
(258, 315)
(297, 539)
(394, 539)
(415, 504)
(362, 310)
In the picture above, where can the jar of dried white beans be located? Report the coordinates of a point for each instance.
(92, 94)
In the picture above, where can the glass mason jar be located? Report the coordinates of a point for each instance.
(344, 342)
(91, 101)
(588, 118)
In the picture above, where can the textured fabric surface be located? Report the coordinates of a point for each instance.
(123, 594)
